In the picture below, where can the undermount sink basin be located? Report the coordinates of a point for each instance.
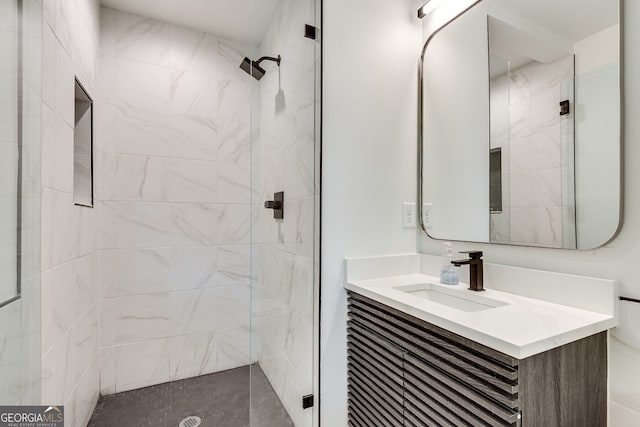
(459, 300)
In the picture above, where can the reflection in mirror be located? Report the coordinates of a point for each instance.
(529, 81)
(521, 125)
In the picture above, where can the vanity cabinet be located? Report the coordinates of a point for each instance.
(403, 371)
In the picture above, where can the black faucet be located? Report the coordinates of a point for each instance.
(475, 269)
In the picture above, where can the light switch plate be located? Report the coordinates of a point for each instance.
(427, 216)
(408, 215)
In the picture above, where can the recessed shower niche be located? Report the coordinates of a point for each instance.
(83, 148)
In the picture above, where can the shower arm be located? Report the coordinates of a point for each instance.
(269, 58)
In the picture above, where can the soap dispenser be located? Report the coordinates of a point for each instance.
(448, 273)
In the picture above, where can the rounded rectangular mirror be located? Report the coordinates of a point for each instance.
(520, 138)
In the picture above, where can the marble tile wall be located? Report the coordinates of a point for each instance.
(536, 179)
(285, 252)
(499, 127)
(10, 354)
(174, 199)
(69, 291)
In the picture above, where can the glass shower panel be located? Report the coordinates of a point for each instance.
(20, 144)
(9, 158)
(285, 147)
(567, 159)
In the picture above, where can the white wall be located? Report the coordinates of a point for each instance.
(69, 232)
(370, 63)
(616, 260)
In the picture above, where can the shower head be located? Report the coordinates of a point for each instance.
(254, 69)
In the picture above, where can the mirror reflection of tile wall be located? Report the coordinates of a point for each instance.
(536, 142)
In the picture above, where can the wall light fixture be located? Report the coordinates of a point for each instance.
(428, 7)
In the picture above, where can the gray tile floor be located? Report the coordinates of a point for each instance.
(236, 398)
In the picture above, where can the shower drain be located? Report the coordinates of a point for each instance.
(192, 421)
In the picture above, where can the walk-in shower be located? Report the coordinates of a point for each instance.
(176, 296)
(254, 69)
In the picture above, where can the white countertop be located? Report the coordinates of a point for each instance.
(521, 327)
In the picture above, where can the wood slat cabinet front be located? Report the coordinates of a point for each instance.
(403, 371)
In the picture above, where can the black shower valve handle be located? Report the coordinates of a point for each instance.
(277, 204)
(272, 204)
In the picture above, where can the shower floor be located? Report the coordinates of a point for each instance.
(220, 399)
